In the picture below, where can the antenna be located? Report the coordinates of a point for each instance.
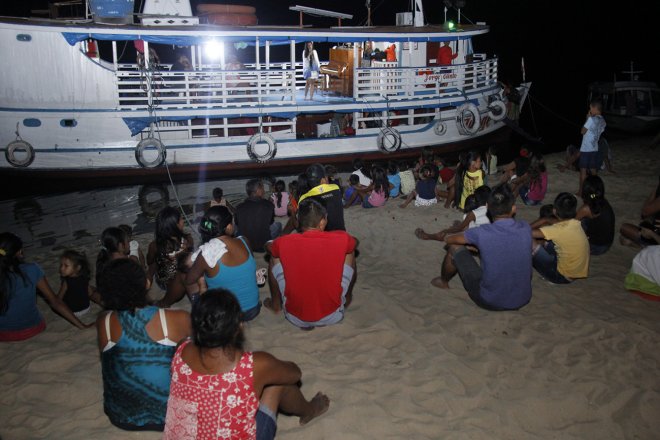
(632, 72)
(368, 12)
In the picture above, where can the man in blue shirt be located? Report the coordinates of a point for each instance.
(503, 281)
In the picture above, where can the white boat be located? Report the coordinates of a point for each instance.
(632, 106)
(72, 107)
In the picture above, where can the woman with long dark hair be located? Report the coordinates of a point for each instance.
(165, 253)
(311, 68)
(596, 215)
(19, 281)
(217, 387)
(136, 342)
(225, 262)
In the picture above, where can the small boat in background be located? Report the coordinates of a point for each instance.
(631, 106)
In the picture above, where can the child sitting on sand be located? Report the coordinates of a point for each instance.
(407, 178)
(561, 254)
(596, 216)
(135, 253)
(394, 178)
(424, 193)
(219, 199)
(469, 176)
(374, 195)
(75, 290)
(351, 194)
(476, 214)
(20, 317)
(280, 199)
(533, 184)
(360, 170)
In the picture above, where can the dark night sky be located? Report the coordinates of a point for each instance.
(566, 45)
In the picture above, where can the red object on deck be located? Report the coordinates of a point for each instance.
(92, 50)
(232, 19)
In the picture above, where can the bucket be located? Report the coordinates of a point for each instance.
(112, 11)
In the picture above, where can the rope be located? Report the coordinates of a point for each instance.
(552, 112)
(152, 110)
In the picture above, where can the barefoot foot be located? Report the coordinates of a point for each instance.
(440, 283)
(320, 404)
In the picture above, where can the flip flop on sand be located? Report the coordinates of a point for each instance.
(261, 277)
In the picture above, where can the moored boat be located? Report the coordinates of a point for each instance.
(74, 107)
(631, 106)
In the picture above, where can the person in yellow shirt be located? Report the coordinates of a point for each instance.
(561, 254)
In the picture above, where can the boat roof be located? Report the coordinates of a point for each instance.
(190, 35)
(624, 85)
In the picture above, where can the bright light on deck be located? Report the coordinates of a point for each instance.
(214, 50)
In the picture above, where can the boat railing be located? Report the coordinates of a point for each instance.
(140, 89)
(210, 87)
(406, 82)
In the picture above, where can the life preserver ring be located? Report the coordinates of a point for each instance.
(261, 137)
(497, 110)
(19, 146)
(389, 140)
(210, 8)
(150, 143)
(440, 128)
(151, 208)
(467, 119)
(232, 19)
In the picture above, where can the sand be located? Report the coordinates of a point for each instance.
(409, 360)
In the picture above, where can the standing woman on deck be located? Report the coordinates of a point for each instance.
(311, 68)
(20, 318)
(165, 252)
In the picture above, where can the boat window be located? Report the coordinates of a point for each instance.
(32, 122)
(24, 37)
(655, 99)
(68, 123)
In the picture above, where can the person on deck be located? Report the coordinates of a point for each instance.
(445, 54)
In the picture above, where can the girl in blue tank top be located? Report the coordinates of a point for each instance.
(225, 262)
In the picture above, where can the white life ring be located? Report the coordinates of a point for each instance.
(21, 147)
(440, 128)
(150, 143)
(389, 140)
(497, 110)
(467, 119)
(261, 137)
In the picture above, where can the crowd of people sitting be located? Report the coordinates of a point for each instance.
(163, 355)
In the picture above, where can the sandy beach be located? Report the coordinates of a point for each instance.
(410, 360)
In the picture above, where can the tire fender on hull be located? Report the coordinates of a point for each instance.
(389, 140)
(21, 147)
(440, 128)
(150, 143)
(467, 119)
(268, 155)
(497, 110)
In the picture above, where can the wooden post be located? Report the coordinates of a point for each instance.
(301, 19)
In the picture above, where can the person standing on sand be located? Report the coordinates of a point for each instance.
(218, 390)
(591, 131)
(503, 281)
